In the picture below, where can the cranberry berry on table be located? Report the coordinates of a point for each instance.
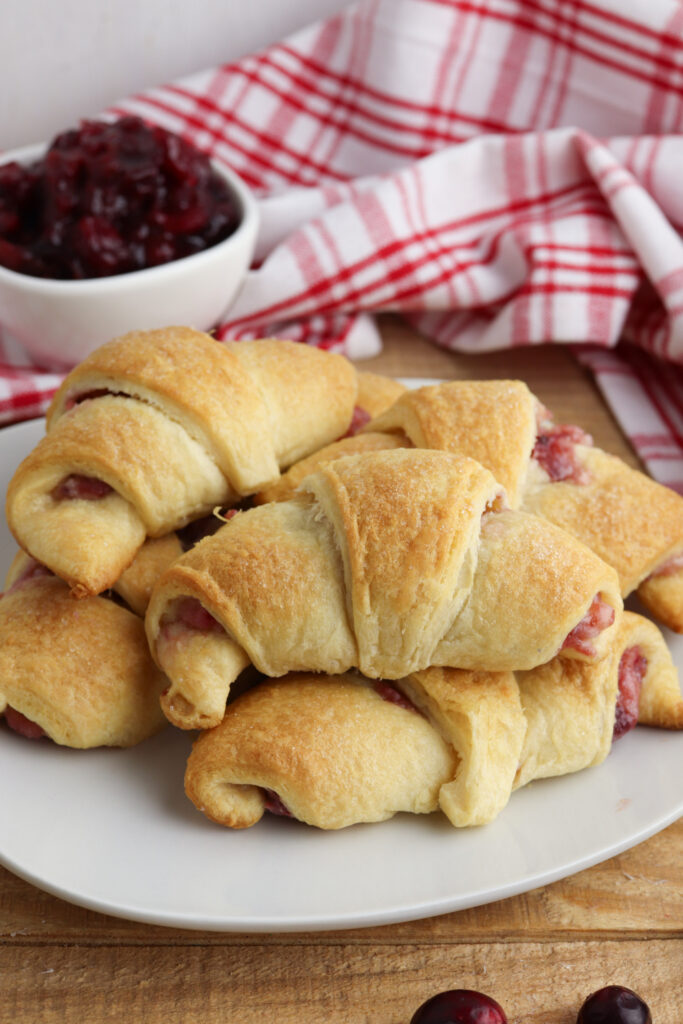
(611, 1005)
(614, 1005)
(460, 1006)
(109, 198)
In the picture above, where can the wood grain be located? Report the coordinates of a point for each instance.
(536, 982)
(540, 954)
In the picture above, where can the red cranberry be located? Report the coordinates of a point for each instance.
(360, 417)
(632, 670)
(109, 198)
(459, 1006)
(614, 1005)
(87, 488)
(555, 450)
(23, 725)
(192, 614)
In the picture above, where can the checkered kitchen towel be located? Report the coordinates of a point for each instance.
(503, 172)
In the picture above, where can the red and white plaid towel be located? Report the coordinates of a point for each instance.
(503, 172)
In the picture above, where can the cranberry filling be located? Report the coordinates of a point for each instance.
(555, 451)
(85, 396)
(23, 725)
(599, 616)
(191, 613)
(110, 198)
(87, 488)
(358, 420)
(632, 669)
(34, 570)
(389, 693)
(670, 567)
(275, 805)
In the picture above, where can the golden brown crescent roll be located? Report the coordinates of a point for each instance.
(629, 520)
(376, 392)
(334, 751)
(155, 429)
(356, 445)
(79, 672)
(388, 562)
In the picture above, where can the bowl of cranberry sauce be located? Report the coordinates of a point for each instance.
(117, 226)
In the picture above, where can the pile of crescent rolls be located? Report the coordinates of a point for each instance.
(367, 599)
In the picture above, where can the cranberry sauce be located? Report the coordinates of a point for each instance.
(555, 451)
(110, 198)
(34, 570)
(23, 725)
(599, 616)
(389, 693)
(87, 488)
(192, 614)
(632, 669)
(275, 805)
(85, 396)
(358, 420)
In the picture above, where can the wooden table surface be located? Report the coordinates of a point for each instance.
(539, 954)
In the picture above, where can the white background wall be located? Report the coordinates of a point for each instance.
(65, 59)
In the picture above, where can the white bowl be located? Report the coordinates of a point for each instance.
(60, 322)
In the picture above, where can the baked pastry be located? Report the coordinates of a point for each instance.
(157, 428)
(357, 444)
(388, 562)
(633, 523)
(333, 751)
(329, 751)
(375, 394)
(551, 471)
(78, 672)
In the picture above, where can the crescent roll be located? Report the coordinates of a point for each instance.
(155, 429)
(633, 523)
(335, 751)
(78, 672)
(375, 394)
(389, 562)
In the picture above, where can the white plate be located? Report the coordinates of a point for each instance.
(113, 831)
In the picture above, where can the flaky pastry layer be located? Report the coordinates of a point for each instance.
(389, 562)
(174, 424)
(331, 752)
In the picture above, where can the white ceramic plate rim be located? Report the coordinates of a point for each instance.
(129, 844)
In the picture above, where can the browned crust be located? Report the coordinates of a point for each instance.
(493, 422)
(155, 556)
(376, 393)
(663, 598)
(80, 669)
(380, 562)
(289, 481)
(631, 521)
(481, 716)
(661, 703)
(188, 424)
(333, 750)
(407, 522)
